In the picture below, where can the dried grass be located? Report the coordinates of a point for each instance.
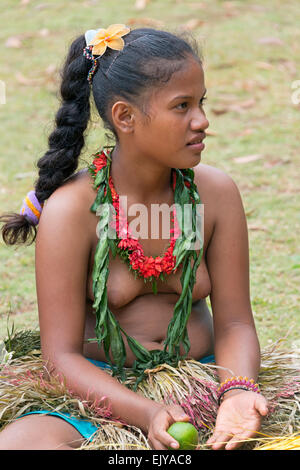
(291, 442)
(26, 385)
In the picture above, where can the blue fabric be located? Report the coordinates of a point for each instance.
(102, 365)
(207, 359)
(85, 427)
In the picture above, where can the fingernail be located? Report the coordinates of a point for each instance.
(174, 445)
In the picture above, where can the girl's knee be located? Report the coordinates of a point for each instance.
(37, 432)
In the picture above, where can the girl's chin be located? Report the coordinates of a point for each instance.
(194, 159)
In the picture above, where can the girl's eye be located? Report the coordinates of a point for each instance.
(182, 104)
(185, 103)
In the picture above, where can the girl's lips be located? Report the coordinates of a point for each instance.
(200, 146)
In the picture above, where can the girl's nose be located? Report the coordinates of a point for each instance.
(199, 121)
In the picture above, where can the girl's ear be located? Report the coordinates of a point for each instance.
(123, 117)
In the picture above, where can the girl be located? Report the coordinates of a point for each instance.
(149, 89)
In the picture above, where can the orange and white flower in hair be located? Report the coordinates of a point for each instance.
(110, 37)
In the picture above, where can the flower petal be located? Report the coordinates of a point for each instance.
(101, 34)
(116, 43)
(100, 48)
(117, 30)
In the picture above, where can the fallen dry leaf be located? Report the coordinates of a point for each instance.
(248, 131)
(248, 158)
(211, 132)
(13, 41)
(230, 8)
(250, 84)
(141, 4)
(227, 4)
(28, 81)
(264, 65)
(43, 6)
(238, 106)
(29, 174)
(191, 24)
(225, 65)
(257, 8)
(196, 6)
(289, 66)
(17, 41)
(145, 22)
(250, 212)
(43, 32)
(45, 77)
(51, 69)
(278, 162)
(257, 227)
(220, 111)
(247, 103)
(271, 40)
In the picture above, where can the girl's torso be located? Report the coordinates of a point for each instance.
(141, 313)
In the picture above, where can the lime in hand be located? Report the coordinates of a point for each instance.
(185, 434)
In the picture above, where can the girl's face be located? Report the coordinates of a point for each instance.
(176, 118)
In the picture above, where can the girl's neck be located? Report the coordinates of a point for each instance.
(142, 180)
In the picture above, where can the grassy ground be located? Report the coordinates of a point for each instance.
(251, 56)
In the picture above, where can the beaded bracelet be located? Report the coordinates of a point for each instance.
(237, 383)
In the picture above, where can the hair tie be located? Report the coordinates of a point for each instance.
(31, 208)
(98, 40)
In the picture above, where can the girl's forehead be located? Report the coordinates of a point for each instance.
(188, 80)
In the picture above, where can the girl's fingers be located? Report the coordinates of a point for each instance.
(163, 441)
(261, 405)
(238, 440)
(159, 436)
(177, 413)
(219, 440)
(157, 445)
(166, 439)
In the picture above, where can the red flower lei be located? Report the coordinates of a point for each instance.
(145, 266)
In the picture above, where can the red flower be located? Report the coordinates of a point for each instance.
(100, 161)
(136, 259)
(128, 243)
(124, 244)
(148, 267)
(158, 264)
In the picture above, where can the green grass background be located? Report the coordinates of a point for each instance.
(251, 53)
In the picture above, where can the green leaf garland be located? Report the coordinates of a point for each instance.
(108, 330)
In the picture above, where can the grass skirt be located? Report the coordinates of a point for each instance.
(26, 385)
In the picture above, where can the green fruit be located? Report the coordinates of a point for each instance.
(185, 434)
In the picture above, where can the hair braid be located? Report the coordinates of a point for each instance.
(65, 142)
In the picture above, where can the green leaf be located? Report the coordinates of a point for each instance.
(99, 178)
(138, 349)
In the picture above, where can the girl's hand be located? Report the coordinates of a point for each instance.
(238, 418)
(160, 421)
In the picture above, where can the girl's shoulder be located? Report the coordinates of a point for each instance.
(218, 193)
(76, 191)
(71, 201)
(213, 183)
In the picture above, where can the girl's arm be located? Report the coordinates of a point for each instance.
(236, 344)
(63, 246)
